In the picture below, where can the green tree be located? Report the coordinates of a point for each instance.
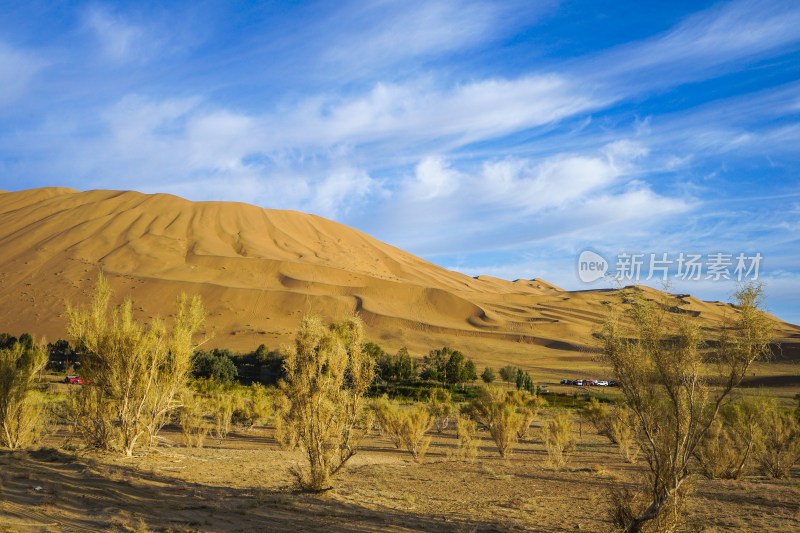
(470, 373)
(488, 375)
(454, 369)
(216, 364)
(406, 367)
(508, 373)
(434, 365)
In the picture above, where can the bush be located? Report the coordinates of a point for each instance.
(20, 418)
(406, 428)
(254, 408)
(558, 439)
(488, 375)
(728, 448)
(497, 411)
(132, 372)
(440, 407)
(327, 374)
(779, 448)
(192, 420)
(467, 443)
(528, 406)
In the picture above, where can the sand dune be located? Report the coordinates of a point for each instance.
(259, 270)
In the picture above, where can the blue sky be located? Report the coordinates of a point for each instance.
(498, 138)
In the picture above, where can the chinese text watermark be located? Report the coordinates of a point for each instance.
(683, 266)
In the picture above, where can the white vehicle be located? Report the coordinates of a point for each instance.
(601, 383)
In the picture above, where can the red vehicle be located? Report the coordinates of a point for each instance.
(73, 379)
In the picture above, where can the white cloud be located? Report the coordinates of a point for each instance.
(17, 69)
(392, 31)
(721, 34)
(433, 178)
(123, 41)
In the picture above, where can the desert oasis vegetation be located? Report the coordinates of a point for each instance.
(400, 266)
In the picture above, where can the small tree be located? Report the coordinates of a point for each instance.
(508, 373)
(20, 419)
(488, 376)
(497, 411)
(440, 406)
(216, 364)
(558, 439)
(133, 373)
(467, 443)
(327, 374)
(661, 368)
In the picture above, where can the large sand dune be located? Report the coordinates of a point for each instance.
(259, 270)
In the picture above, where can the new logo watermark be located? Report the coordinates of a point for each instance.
(683, 266)
(591, 266)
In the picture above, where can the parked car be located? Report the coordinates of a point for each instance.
(602, 383)
(590, 382)
(613, 383)
(579, 382)
(73, 379)
(567, 382)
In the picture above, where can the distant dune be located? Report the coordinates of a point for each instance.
(259, 270)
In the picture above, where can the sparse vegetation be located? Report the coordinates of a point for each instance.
(327, 373)
(132, 372)
(558, 439)
(498, 412)
(440, 407)
(662, 371)
(779, 447)
(20, 417)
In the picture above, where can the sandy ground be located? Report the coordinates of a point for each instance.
(243, 484)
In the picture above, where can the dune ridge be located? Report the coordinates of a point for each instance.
(258, 270)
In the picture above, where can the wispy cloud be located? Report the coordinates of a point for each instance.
(695, 48)
(17, 68)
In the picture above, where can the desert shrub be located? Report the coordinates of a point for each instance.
(657, 355)
(388, 419)
(415, 423)
(132, 372)
(222, 407)
(732, 440)
(406, 428)
(601, 417)
(192, 420)
(254, 408)
(327, 373)
(467, 443)
(440, 406)
(558, 439)
(20, 418)
(528, 406)
(623, 433)
(779, 448)
(498, 412)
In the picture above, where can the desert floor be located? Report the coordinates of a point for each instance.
(244, 484)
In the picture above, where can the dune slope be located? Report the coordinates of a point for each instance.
(259, 270)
